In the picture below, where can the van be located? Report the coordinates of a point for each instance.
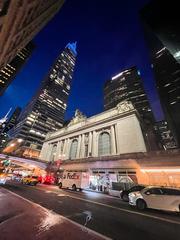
(74, 180)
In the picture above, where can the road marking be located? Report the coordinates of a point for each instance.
(66, 219)
(126, 210)
(118, 208)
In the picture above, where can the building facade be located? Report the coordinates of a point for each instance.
(110, 149)
(166, 70)
(45, 112)
(20, 21)
(165, 135)
(9, 72)
(127, 85)
(164, 24)
(107, 135)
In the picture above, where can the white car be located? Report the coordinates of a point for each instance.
(157, 198)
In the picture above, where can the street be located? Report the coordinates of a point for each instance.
(104, 214)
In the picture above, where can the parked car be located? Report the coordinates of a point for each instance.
(124, 193)
(30, 180)
(157, 198)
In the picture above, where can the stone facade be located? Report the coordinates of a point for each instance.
(121, 126)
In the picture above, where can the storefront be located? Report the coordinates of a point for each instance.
(104, 179)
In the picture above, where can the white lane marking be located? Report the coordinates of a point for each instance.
(64, 218)
(126, 210)
(122, 209)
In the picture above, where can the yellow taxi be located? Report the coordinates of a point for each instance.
(30, 180)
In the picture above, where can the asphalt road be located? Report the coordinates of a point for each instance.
(107, 215)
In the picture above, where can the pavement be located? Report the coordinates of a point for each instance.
(106, 215)
(22, 219)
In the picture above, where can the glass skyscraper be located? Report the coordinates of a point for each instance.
(45, 112)
(127, 85)
(162, 34)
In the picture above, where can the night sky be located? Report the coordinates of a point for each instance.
(109, 39)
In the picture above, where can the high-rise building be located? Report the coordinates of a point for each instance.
(165, 135)
(9, 72)
(20, 21)
(45, 112)
(13, 119)
(162, 17)
(127, 86)
(164, 63)
(8, 124)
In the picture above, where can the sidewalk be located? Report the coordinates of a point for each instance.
(22, 219)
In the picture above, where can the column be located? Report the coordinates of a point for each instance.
(94, 144)
(49, 152)
(64, 148)
(90, 144)
(82, 147)
(117, 139)
(68, 145)
(79, 147)
(58, 151)
(113, 141)
(44, 151)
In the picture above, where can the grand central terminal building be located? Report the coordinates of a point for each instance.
(110, 146)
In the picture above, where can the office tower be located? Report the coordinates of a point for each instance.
(8, 124)
(162, 17)
(127, 85)
(12, 120)
(9, 72)
(45, 112)
(165, 135)
(20, 21)
(165, 66)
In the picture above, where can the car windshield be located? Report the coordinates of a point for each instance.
(35, 177)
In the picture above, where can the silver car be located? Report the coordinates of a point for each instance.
(157, 198)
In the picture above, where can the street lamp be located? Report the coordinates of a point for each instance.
(20, 140)
(12, 144)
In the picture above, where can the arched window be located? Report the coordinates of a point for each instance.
(104, 144)
(73, 149)
(53, 152)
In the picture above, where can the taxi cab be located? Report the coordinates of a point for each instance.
(30, 180)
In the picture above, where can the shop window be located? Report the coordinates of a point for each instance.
(104, 145)
(73, 149)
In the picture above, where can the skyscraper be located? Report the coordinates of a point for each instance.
(20, 21)
(127, 85)
(9, 124)
(13, 119)
(162, 17)
(164, 60)
(166, 138)
(46, 110)
(9, 72)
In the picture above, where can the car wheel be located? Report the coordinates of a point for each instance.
(125, 197)
(74, 187)
(60, 185)
(141, 204)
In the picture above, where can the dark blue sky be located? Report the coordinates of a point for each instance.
(109, 39)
